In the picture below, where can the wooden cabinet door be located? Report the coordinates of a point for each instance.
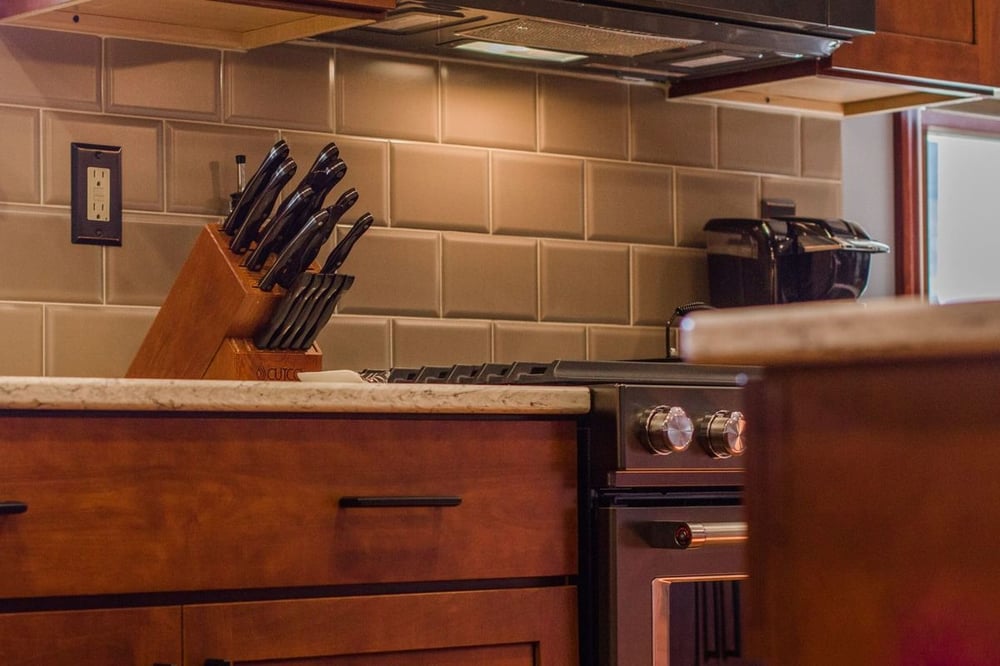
(119, 637)
(520, 627)
(942, 40)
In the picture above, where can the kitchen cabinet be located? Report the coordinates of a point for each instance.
(269, 537)
(231, 24)
(925, 53)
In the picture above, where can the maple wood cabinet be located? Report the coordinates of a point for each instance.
(152, 538)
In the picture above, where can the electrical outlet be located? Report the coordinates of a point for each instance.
(96, 194)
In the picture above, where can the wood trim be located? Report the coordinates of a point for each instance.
(910, 233)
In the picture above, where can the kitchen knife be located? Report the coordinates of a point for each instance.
(324, 181)
(339, 253)
(325, 158)
(298, 311)
(296, 319)
(296, 292)
(315, 325)
(275, 156)
(282, 227)
(296, 256)
(263, 203)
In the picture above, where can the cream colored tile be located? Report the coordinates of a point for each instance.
(488, 106)
(367, 168)
(40, 262)
(625, 343)
(201, 164)
(379, 95)
(397, 271)
(758, 141)
(439, 187)
(583, 117)
(630, 202)
(167, 80)
(664, 278)
(142, 155)
(821, 153)
(541, 343)
(49, 68)
(812, 198)
(703, 195)
(143, 269)
(537, 195)
(584, 282)
(283, 86)
(20, 176)
(21, 352)
(418, 342)
(77, 339)
(489, 277)
(671, 132)
(355, 343)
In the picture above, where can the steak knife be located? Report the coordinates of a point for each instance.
(321, 313)
(282, 227)
(275, 156)
(296, 293)
(295, 257)
(263, 203)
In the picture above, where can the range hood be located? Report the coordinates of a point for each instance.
(651, 40)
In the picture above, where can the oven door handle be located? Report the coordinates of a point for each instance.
(684, 535)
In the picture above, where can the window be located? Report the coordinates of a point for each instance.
(948, 202)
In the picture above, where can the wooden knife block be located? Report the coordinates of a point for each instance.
(204, 328)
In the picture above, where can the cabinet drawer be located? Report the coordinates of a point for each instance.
(122, 637)
(523, 627)
(143, 503)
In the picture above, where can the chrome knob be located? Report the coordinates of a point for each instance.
(667, 430)
(722, 433)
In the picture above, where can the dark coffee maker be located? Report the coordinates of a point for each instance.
(786, 259)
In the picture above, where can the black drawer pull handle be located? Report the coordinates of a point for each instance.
(359, 502)
(11, 507)
(218, 662)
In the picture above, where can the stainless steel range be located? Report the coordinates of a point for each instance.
(662, 526)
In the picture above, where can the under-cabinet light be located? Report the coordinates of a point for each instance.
(523, 52)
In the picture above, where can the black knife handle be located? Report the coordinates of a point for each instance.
(404, 501)
(12, 507)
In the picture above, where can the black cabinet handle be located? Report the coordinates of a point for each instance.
(11, 507)
(368, 502)
(218, 662)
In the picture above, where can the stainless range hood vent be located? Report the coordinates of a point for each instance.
(556, 36)
(655, 40)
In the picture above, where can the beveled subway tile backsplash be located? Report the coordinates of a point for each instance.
(519, 215)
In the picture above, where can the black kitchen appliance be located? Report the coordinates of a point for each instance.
(661, 518)
(658, 40)
(786, 259)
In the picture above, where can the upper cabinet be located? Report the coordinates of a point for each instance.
(934, 51)
(233, 24)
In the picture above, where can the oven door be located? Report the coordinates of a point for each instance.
(668, 585)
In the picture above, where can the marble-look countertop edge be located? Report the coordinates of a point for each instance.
(841, 332)
(166, 395)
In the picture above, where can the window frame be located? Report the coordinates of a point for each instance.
(910, 129)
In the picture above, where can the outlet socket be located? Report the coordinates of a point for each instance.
(96, 194)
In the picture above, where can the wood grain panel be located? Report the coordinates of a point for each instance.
(141, 503)
(872, 497)
(526, 627)
(949, 20)
(92, 637)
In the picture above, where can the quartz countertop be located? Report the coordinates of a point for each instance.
(164, 395)
(840, 331)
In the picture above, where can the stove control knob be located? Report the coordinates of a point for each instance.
(722, 433)
(667, 430)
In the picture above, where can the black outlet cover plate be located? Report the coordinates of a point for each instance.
(84, 230)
